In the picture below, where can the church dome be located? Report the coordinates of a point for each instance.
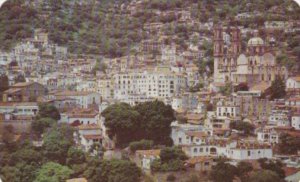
(255, 41)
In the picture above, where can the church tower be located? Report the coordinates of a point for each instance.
(236, 47)
(218, 51)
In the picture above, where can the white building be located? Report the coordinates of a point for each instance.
(229, 109)
(20, 108)
(296, 121)
(144, 158)
(168, 54)
(267, 135)
(279, 118)
(294, 101)
(188, 134)
(83, 99)
(105, 88)
(249, 151)
(155, 84)
(293, 83)
(235, 150)
(6, 58)
(81, 116)
(87, 135)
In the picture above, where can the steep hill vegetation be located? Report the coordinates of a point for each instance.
(107, 27)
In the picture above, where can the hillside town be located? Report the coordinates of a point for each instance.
(192, 100)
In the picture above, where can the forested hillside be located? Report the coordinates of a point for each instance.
(108, 27)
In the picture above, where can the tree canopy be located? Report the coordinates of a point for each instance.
(111, 171)
(277, 89)
(48, 111)
(171, 159)
(245, 127)
(57, 142)
(289, 144)
(149, 120)
(223, 172)
(264, 176)
(53, 172)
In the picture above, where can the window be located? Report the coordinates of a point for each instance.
(249, 153)
(195, 150)
(180, 140)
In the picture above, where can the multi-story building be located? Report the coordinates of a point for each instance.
(83, 99)
(235, 150)
(151, 84)
(24, 92)
(267, 135)
(279, 118)
(105, 88)
(229, 109)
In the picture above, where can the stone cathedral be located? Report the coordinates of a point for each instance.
(254, 65)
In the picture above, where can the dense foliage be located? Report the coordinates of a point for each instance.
(109, 28)
(277, 89)
(171, 159)
(264, 176)
(53, 172)
(58, 159)
(149, 120)
(112, 171)
(48, 111)
(289, 144)
(223, 172)
(274, 166)
(4, 84)
(141, 145)
(245, 127)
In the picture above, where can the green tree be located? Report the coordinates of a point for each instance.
(284, 60)
(156, 119)
(172, 153)
(277, 89)
(40, 125)
(275, 166)
(9, 173)
(141, 145)
(223, 172)
(4, 85)
(289, 144)
(264, 176)
(8, 134)
(56, 145)
(245, 127)
(27, 155)
(112, 171)
(48, 111)
(227, 89)
(171, 159)
(193, 178)
(244, 169)
(76, 160)
(296, 51)
(53, 172)
(123, 122)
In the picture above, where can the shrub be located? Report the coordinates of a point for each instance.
(141, 145)
(171, 177)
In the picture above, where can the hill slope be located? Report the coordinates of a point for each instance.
(108, 27)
